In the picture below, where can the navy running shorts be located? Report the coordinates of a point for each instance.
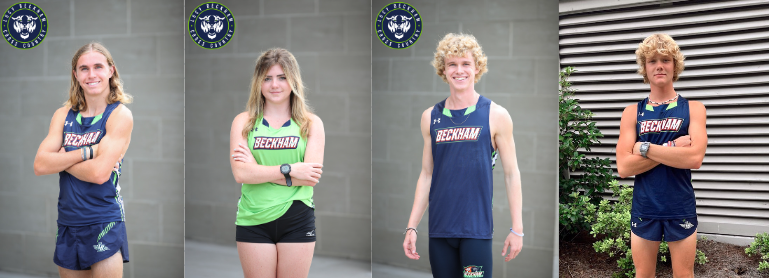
(79, 247)
(668, 230)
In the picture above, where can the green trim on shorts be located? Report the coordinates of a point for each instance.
(105, 231)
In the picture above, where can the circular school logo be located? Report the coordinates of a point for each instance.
(211, 25)
(24, 25)
(398, 25)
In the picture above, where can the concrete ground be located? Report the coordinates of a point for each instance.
(212, 260)
(381, 270)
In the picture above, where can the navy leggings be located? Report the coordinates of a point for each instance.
(456, 257)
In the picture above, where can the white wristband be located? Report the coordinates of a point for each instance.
(520, 235)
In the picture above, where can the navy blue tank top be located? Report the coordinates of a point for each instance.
(83, 203)
(663, 192)
(463, 158)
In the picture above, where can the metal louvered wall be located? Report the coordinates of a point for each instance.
(726, 44)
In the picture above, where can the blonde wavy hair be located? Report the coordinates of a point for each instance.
(455, 45)
(659, 44)
(300, 111)
(77, 96)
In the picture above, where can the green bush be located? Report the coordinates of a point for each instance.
(574, 210)
(760, 246)
(612, 220)
(577, 132)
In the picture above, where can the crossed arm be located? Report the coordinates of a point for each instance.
(49, 160)
(629, 160)
(245, 169)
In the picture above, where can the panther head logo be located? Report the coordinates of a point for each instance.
(211, 24)
(24, 27)
(399, 25)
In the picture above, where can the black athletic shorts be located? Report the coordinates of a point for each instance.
(296, 225)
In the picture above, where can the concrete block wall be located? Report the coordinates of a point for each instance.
(521, 40)
(145, 39)
(330, 40)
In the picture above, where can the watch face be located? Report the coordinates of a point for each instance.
(284, 169)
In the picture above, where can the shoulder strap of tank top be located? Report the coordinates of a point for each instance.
(110, 109)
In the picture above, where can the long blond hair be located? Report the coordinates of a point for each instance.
(77, 96)
(300, 111)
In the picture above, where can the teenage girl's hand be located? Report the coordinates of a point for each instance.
(243, 155)
(683, 141)
(515, 243)
(306, 171)
(410, 245)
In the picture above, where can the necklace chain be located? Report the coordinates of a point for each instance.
(664, 102)
(466, 118)
(452, 119)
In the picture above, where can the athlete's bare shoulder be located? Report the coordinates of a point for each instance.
(62, 111)
(696, 104)
(427, 114)
(630, 110)
(425, 120)
(428, 111)
(314, 118)
(121, 114)
(241, 118)
(499, 114)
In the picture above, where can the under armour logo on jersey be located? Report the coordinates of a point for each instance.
(640, 114)
(634, 224)
(66, 122)
(438, 120)
(687, 225)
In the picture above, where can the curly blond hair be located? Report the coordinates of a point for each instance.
(659, 44)
(455, 45)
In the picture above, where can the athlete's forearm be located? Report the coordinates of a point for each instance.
(632, 165)
(515, 198)
(93, 171)
(252, 173)
(47, 163)
(295, 182)
(421, 197)
(682, 158)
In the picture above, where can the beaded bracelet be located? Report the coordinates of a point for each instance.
(407, 230)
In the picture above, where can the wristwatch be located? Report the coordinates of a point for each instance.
(644, 148)
(285, 169)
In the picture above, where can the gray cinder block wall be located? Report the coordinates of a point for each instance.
(520, 38)
(331, 41)
(145, 39)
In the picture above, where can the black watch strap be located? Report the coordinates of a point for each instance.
(285, 169)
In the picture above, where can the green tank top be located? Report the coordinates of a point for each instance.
(265, 202)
